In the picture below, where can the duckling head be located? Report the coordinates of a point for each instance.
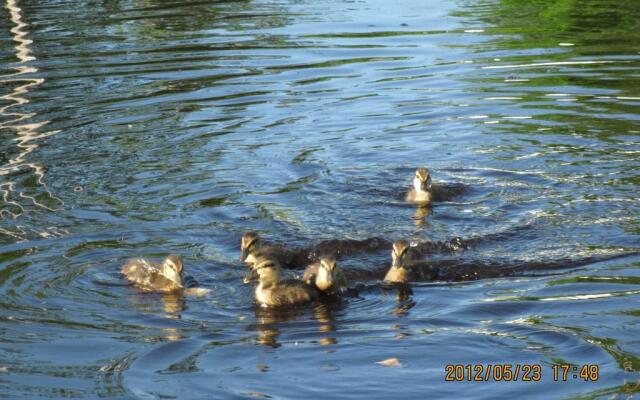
(172, 268)
(326, 273)
(249, 246)
(401, 254)
(422, 180)
(267, 271)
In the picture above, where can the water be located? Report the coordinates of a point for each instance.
(147, 127)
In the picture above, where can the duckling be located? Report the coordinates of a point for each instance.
(326, 275)
(420, 193)
(251, 247)
(155, 277)
(272, 292)
(404, 268)
(401, 256)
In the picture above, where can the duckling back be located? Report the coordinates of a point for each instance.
(252, 248)
(399, 275)
(275, 252)
(287, 293)
(275, 292)
(151, 276)
(415, 271)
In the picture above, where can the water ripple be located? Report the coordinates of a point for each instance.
(147, 128)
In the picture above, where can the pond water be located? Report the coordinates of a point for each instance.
(147, 127)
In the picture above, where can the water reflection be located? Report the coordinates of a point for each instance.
(421, 214)
(268, 323)
(172, 334)
(23, 48)
(173, 304)
(580, 87)
(404, 301)
(271, 321)
(27, 131)
(188, 123)
(324, 313)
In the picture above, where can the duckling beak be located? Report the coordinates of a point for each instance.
(250, 276)
(244, 254)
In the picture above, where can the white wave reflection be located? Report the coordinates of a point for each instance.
(548, 64)
(590, 296)
(28, 132)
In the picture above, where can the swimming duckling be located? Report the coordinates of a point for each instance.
(404, 268)
(272, 292)
(401, 256)
(251, 247)
(151, 276)
(326, 275)
(420, 192)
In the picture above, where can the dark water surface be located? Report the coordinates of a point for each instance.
(147, 127)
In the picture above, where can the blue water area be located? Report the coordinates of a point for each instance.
(146, 127)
